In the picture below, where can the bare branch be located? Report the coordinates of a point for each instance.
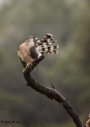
(51, 93)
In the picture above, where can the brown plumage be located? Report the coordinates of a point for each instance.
(32, 48)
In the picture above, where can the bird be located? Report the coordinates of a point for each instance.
(33, 48)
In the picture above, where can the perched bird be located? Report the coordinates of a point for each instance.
(33, 48)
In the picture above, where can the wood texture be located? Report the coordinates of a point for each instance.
(51, 93)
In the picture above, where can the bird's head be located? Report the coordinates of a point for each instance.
(30, 40)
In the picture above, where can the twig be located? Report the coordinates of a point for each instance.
(52, 85)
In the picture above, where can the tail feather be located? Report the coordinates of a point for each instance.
(44, 47)
(50, 52)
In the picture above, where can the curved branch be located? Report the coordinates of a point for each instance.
(51, 93)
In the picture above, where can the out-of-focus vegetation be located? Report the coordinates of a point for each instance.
(69, 71)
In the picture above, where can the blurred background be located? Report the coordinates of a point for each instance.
(69, 71)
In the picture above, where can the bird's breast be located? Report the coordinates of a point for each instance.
(24, 53)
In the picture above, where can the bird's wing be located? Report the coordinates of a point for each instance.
(33, 52)
(23, 63)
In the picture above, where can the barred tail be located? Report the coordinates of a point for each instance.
(49, 49)
(43, 46)
(47, 40)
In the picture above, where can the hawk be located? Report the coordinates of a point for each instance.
(33, 48)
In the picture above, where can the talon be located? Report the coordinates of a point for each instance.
(31, 64)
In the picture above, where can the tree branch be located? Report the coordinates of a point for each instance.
(51, 93)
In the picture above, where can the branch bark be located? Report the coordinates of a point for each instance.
(51, 93)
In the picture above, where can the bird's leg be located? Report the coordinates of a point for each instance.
(25, 68)
(31, 64)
